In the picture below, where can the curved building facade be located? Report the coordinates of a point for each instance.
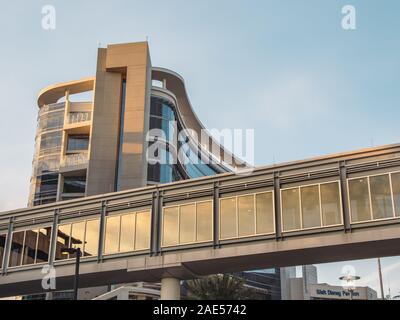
(136, 112)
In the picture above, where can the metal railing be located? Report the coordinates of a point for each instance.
(78, 117)
(73, 160)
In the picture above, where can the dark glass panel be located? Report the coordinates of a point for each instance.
(43, 245)
(16, 248)
(29, 253)
(78, 142)
(48, 183)
(3, 238)
(74, 184)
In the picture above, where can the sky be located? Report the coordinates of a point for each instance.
(285, 68)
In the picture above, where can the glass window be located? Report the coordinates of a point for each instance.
(3, 238)
(331, 205)
(113, 225)
(78, 142)
(92, 238)
(396, 192)
(50, 141)
(63, 241)
(359, 200)
(291, 209)
(265, 213)
(310, 207)
(187, 229)
(127, 242)
(43, 245)
(247, 221)
(78, 236)
(171, 226)
(228, 223)
(16, 248)
(381, 197)
(74, 184)
(204, 221)
(143, 221)
(29, 252)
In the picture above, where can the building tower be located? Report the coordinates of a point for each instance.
(99, 146)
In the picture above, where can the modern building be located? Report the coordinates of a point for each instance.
(271, 284)
(307, 287)
(99, 145)
(133, 226)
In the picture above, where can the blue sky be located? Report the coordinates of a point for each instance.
(283, 68)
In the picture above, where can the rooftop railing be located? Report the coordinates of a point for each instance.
(78, 117)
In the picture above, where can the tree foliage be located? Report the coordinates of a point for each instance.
(220, 287)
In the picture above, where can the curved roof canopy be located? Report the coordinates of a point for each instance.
(55, 92)
(176, 84)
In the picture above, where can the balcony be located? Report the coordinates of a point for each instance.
(79, 117)
(75, 161)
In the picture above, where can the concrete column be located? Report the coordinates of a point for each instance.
(170, 289)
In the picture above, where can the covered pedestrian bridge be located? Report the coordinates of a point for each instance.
(333, 208)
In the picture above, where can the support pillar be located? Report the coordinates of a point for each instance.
(170, 289)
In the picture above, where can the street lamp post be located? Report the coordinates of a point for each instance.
(349, 283)
(78, 254)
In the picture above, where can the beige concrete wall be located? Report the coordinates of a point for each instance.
(134, 59)
(105, 129)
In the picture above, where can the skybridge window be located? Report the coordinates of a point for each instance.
(312, 206)
(127, 233)
(375, 197)
(30, 247)
(395, 178)
(381, 197)
(247, 216)
(187, 224)
(80, 234)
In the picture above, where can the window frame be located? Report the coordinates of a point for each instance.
(255, 216)
(5, 234)
(120, 215)
(320, 207)
(24, 230)
(394, 217)
(84, 239)
(196, 203)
